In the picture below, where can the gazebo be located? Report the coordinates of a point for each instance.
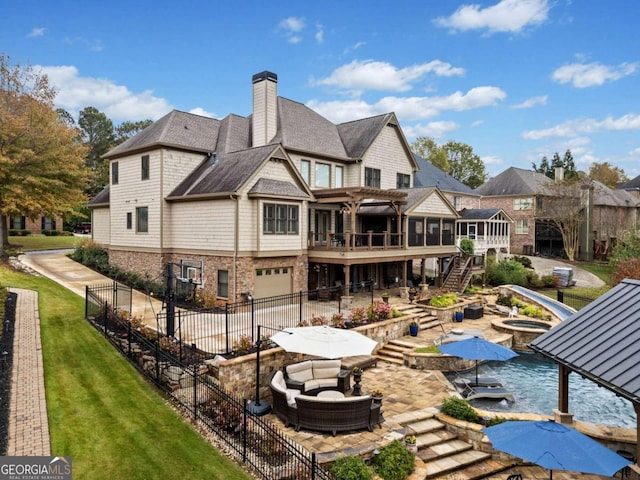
(601, 342)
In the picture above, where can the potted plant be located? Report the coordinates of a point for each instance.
(357, 373)
(377, 396)
(410, 443)
(413, 328)
(385, 297)
(459, 315)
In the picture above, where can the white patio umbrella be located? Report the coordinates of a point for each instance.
(324, 341)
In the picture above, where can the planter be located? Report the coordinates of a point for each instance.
(412, 447)
(459, 316)
(385, 299)
(377, 400)
(413, 330)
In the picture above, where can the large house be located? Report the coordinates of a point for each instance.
(279, 201)
(525, 196)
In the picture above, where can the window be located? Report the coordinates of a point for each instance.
(223, 283)
(18, 223)
(416, 232)
(433, 231)
(145, 167)
(305, 169)
(339, 177)
(372, 177)
(457, 202)
(48, 223)
(403, 180)
(129, 221)
(522, 203)
(142, 219)
(448, 228)
(280, 219)
(114, 173)
(323, 175)
(522, 226)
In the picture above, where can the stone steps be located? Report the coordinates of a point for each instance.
(441, 455)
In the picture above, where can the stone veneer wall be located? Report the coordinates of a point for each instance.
(238, 374)
(154, 265)
(143, 263)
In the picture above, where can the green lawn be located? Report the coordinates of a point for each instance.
(42, 242)
(101, 412)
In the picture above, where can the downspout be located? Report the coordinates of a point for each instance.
(236, 221)
(161, 200)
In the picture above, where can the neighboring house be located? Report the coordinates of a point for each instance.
(34, 226)
(276, 202)
(488, 228)
(632, 186)
(523, 194)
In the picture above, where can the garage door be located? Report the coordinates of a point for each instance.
(273, 281)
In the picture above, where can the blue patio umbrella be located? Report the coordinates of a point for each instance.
(554, 446)
(477, 349)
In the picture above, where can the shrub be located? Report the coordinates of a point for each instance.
(337, 320)
(378, 310)
(507, 272)
(525, 261)
(318, 320)
(467, 246)
(443, 300)
(394, 462)
(350, 467)
(358, 315)
(459, 408)
(628, 269)
(533, 311)
(19, 233)
(533, 280)
(549, 281)
(50, 233)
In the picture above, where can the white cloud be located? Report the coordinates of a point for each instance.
(492, 160)
(506, 16)
(477, 123)
(355, 46)
(291, 27)
(409, 108)
(36, 32)
(116, 101)
(202, 112)
(369, 74)
(573, 128)
(532, 102)
(431, 129)
(583, 75)
(319, 33)
(635, 152)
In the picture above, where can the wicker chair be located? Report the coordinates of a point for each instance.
(336, 415)
(284, 409)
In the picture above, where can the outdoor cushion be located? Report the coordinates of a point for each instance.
(279, 384)
(325, 368)
(320, 383)
(301, 372)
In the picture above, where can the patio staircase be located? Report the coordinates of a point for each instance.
(443, 456)
(393, 350)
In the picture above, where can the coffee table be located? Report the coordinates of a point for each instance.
(330, 394)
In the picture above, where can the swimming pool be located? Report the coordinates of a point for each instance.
(533, 380)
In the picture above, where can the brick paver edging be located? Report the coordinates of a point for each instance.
(28, 422)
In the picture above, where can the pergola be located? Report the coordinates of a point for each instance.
(601, 342)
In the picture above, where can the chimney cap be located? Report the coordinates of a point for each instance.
(266, 75)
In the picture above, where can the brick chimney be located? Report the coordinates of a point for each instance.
(558, 173)
(265, 118)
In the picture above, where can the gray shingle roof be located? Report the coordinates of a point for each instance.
(633, 184)
(300, 128)
(224, 174)
(358, 135)
(478, 213)
(514, 181)
(601, 341)
(268, 186)
(101, 199)
(430, 175)
(176, 129)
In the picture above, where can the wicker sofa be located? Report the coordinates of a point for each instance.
(313, 376)
(322, 414)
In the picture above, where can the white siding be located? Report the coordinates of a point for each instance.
(201, 225)
(433, 205)
(130, 193)
(389, 156)
(100, 227)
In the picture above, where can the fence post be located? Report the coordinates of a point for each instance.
(244, 431)
(313, 465)
(129, 339)
(226, 327)
(157, 364)
(86, 301)
(300, 306)
(195, 392)
(105, 315)
(180, 336)
(560, 296)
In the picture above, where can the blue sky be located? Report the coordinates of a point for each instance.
(515, 79)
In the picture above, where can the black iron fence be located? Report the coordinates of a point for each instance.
(178, 370)
(115, 294)
(574, 301)
(223, 331)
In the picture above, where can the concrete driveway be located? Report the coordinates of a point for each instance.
(544, 266)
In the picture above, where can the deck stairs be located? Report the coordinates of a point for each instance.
(441, 455)
(393, 350)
